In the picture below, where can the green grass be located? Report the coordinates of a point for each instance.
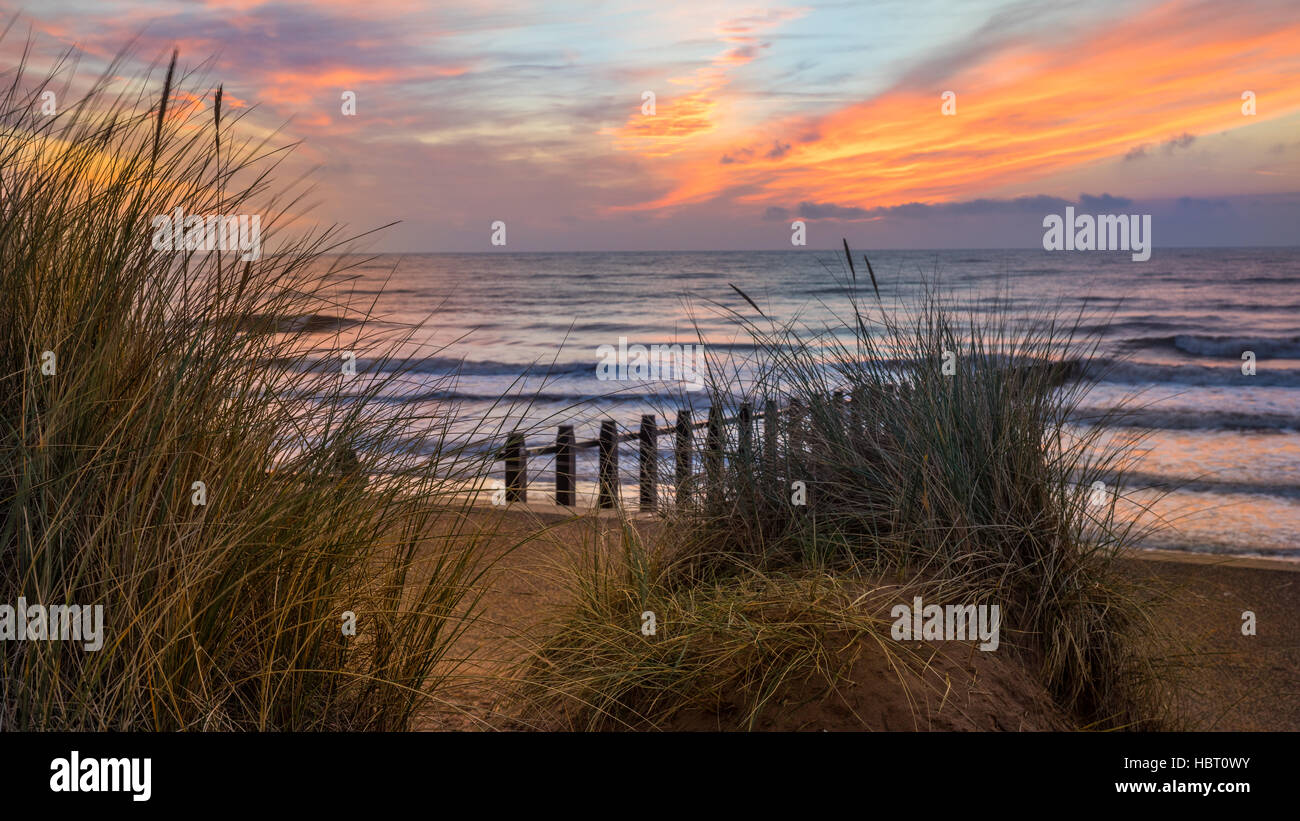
(226, 615)
(976, 480)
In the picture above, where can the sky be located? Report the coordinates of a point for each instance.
(832, 113)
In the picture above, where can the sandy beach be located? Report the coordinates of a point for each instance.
(1225, 681)
(1234, 682)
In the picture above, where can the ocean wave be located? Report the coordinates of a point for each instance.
(1207, 545)
(1143, 373)
(304, 323)
(1189, 419)
(1208, 484)
(1105, 328)
(450, 366)
(445, 366)
(532, 397)
(1273, 347)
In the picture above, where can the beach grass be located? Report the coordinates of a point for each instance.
(175, 449)
(951, 460)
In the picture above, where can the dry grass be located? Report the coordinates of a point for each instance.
(971, 477)
(177, 368)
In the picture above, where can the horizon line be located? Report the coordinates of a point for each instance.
(836, 249)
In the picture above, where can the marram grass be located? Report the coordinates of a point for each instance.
(226, 614)
(958, 462)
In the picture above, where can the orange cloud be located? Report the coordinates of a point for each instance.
(693, 113)
(301, 87)
(298, 89)
(1023, 113)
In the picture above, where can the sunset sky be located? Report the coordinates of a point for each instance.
(531, 113)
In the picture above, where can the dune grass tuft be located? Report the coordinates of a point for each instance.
(955, 457)
(178, 447)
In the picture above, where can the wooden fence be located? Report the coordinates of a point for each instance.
(515, 454)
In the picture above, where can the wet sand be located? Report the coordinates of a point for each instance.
(1234, 681)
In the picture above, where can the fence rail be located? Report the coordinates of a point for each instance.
(516, 454)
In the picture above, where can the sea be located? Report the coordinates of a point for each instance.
(514, 340)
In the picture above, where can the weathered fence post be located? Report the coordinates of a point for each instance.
(745, 437)
(649, 458)
(794, 429)
(684, 445)
(608, 495)
(565, 469)
(771, 433)
(857, 414)
(796, 465)
(516, 468)
(713, 454)
(746, 467)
